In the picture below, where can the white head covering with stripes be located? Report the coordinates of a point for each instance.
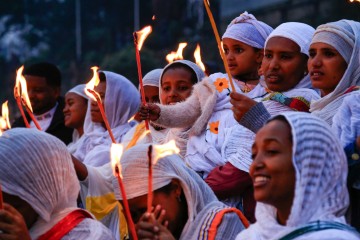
(200, 199)
(344, 36)
(247, 29)
(152, 78)
(320, 188)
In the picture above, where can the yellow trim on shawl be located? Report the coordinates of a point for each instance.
(100, 206)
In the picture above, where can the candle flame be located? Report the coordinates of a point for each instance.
(153, 17)
(116, 152)
(20, 89)
(142, 35)
(94, 81)
(172, 56)
(2, 124)
(197, 56)
(166, 149)
(354, 0)
(5, 114)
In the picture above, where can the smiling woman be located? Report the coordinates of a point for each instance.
(299, 175)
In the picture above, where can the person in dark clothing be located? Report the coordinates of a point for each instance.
(43, 84)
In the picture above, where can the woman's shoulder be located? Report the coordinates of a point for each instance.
(89, 229)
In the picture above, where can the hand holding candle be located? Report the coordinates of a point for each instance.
(116, 153)
(139, 38)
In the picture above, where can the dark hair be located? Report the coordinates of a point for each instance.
(102, 76)
(177, 65)
(167, 190)
(46, 70)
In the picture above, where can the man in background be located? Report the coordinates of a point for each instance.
(44, 86)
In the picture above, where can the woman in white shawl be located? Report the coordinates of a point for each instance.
(299, 172)
(38, 179)
(121, 101)
(76, 102)
(187, 204)
(334, 65)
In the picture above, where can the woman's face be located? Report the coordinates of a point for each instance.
(326, 67)
(94, 109)
(74, 110)
(283, 64)
(243, 60)
(176, 85)
(168, 202)
(24, 208)
(272, 170)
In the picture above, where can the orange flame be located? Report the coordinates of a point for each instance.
(166, 149)
(20, 88)
(354, 0)
(94, 81)
(197, 57)
(116, 152)
(153, 17)
(142, 35)
(2, 124)
(172, 56)
(5, 114)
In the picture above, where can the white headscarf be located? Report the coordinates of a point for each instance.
(37, 167)
(320, 187)
(200, 199)
(76, 139)
(344, 36)
(152, 78)
(247, 29)
(122, 101)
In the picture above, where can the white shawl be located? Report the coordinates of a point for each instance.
(320, 187)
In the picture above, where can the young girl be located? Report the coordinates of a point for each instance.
(299, 175)
(39, 186)
(121, 101)
(206, 111)
(285, 73)
(76, 102)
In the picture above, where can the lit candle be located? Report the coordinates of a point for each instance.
(5, 115)
(217, 37)
(17, 95)
(116, 153)
(139, 38)
(95, 96)
(178, 55)
(197, 56)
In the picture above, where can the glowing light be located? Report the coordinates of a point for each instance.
(164, 150)
(172, 56)
(142, 35)
(197, 56)
(116, 152)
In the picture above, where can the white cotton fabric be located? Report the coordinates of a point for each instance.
(320, 187)
(201, 201)
(349, 31)
(300, 33)
(37, 167)
(346, 122)
(247, 29)
(76, 139)
(152, 78)
(122, 101)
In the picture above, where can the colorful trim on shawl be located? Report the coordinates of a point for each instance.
(208, 230)
(296, 103)
(65, 225)
(352, 89)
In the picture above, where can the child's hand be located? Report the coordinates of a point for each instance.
(12, 224)
(153, 225)
(149, 111)
(241, 105)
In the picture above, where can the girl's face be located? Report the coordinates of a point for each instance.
(95, 111)
(151, 94)
(176, 85)
(283, 65)
(168, 202)
(243, 60)
(272, 170)
(326, 67)
(74, 110)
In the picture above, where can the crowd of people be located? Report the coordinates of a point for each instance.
(277, 157)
